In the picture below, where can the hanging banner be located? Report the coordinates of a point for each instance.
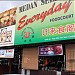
(50, 50)
(45, 22)
(7, 27)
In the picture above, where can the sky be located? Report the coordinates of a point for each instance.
(8, 4)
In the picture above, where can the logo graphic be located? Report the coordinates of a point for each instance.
(27, 34)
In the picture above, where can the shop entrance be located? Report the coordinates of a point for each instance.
(8, 66)
(5, 66)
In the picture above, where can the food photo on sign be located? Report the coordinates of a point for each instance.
(50, 50)
(8, 18)
(7, 27)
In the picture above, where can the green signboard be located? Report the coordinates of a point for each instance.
(52, 21)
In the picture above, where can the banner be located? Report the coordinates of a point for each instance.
(7, 27)
(45, 22)
(50, 50)
(7, 53)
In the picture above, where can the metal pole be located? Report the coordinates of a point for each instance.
(23, 72)
(28, 72)
(58, 73)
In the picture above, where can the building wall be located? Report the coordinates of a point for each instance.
(70, 57)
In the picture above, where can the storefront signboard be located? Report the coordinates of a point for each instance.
(7, 27)
(47, 21)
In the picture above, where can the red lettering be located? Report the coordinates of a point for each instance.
(45, 32)
(65, 6)
(31, 20)
(42, 16)
(21, 22)
(57, 8)
(61, 29)
(52, 30)
(50, 11)
(74, 28)
(37, 17)
(69, 28)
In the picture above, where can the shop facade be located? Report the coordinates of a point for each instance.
(9, 56)
(43, 40)
(51, 26)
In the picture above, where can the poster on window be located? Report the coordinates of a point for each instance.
(7, 53)
(7, 36)
(50, 50)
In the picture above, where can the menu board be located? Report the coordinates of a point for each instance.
(7, 53)
(51, 50)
